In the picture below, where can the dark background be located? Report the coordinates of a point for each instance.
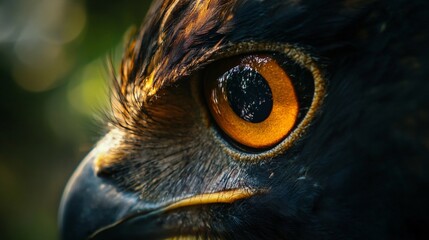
(53, 83)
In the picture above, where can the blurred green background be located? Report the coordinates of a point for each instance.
(53, 55)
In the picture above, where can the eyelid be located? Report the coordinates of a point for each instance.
(298, 56)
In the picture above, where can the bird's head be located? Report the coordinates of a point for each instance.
(260, 120)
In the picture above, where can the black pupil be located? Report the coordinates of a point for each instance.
(248, 93)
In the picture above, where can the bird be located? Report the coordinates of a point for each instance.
(263, 119)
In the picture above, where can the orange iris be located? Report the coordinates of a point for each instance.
(281, 117)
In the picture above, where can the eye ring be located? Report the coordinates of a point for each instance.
(303, 60)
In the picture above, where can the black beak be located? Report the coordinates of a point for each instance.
(92, 207)
(90, 203)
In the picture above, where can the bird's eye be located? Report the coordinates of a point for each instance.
(254, 102)
(261, 100)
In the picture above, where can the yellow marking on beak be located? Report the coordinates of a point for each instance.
(228, 196)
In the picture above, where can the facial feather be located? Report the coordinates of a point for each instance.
(361, 154)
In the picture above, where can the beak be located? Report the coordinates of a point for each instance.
(90, 203)
(93, 207)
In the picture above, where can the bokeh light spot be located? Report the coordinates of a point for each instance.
(89, 91)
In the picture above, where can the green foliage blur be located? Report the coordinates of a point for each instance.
(53, 75)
